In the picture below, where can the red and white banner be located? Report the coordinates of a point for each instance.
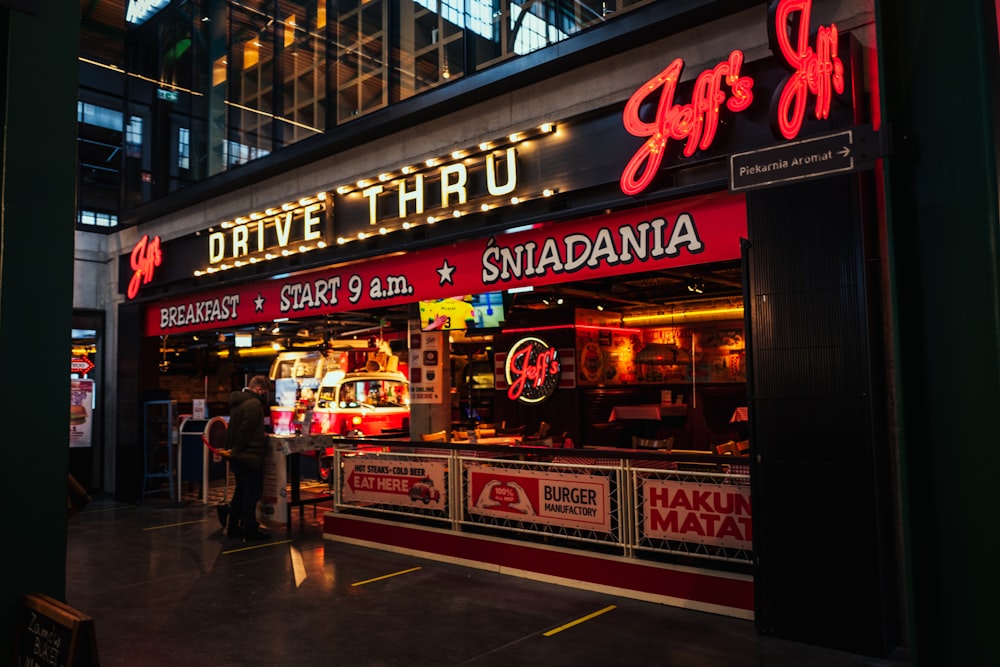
(660, 236)
(394, 482)
(549, 498)
(717, 514)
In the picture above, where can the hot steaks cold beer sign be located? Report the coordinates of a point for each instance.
(661, 236)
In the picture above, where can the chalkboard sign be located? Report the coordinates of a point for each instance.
(50, 633)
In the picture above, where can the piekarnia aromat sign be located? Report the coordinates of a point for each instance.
(675, 234)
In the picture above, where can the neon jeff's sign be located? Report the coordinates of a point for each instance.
(697, 121)
(146, 256)
(816, 71)
(532, 370)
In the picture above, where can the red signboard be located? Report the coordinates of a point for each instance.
(566, 500)
(661, 236)
(81, 365)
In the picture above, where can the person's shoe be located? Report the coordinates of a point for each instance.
(256, 536)
(234, 533)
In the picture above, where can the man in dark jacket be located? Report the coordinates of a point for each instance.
(247, 444)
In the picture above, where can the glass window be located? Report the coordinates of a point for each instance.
(95, 219)
(302, 65)
(251, 91)
(133, 136)
(183, 148)
(361, 65)
(99, 116)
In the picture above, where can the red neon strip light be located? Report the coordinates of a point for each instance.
(818, 71)
(146, 256)
(591, 327)
(697, 121)
(553, 327)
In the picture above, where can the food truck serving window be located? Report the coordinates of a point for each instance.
(297, 365)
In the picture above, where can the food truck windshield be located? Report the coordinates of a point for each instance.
(380, 390)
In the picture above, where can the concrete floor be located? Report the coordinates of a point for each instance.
(166, 588)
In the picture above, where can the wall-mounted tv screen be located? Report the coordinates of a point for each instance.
(471, 312)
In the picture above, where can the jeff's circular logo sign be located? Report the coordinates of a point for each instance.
(532, 370)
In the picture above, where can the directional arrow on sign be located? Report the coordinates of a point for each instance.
(794, 161)
(82, 365)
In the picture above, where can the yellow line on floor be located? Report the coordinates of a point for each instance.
(578, 621)
(257, 546)
(174, 525)
(385, 576)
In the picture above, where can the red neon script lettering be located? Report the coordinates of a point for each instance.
(146, 256)
(525, 373)
(697, 121)
(819, 71)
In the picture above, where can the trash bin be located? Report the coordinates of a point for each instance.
(198, 463)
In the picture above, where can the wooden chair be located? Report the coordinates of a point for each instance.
(505, 430)
(665, 444)
(437, 436)
(727, 448)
